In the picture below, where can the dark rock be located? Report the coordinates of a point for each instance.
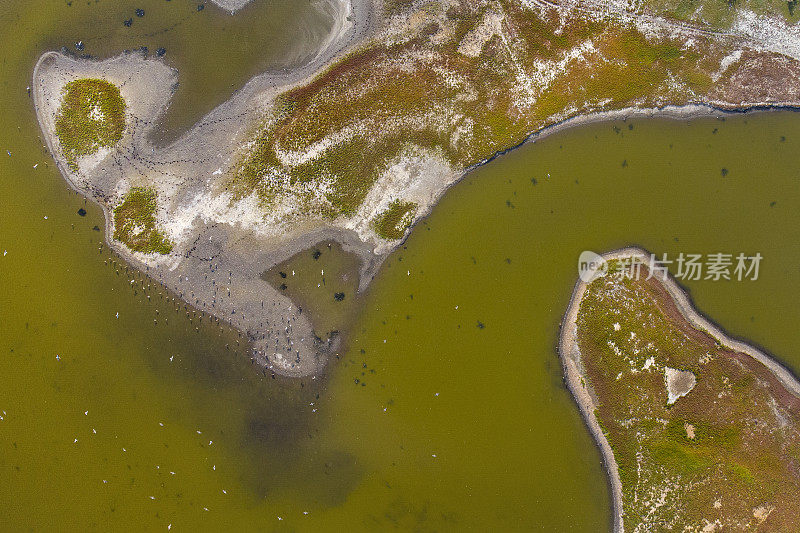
(128, 23)
(160, 52)
(82, 212)
(339, 296)
(140, 12)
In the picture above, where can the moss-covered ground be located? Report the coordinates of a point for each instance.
(727, 453)
(135, 223)
(464, 80)
(392, 223)
(91, 116)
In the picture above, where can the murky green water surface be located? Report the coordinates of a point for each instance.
(323, 282)
(447, 412)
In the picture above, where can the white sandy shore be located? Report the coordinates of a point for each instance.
(577, 382)
(231, 6)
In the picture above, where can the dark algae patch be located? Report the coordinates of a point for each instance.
(92, 116)
(135, 223)
(725, 453)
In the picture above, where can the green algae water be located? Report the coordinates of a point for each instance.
(448, 411)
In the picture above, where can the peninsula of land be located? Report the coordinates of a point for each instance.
(360, 143)
(698, 431)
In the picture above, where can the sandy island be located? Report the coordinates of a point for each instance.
(584, 396)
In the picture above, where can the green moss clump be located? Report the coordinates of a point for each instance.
(91, 116)
(393, 223)
(135, 223)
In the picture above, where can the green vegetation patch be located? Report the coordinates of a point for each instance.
(393, 223)
(718, 452)
(135, 223)
(91, 116)
(336, 135)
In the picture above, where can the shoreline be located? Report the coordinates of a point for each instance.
(226, 238)
(283, 339)
(574, 376)
(666, 112)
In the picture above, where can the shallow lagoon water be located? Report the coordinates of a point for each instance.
(447, 411)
